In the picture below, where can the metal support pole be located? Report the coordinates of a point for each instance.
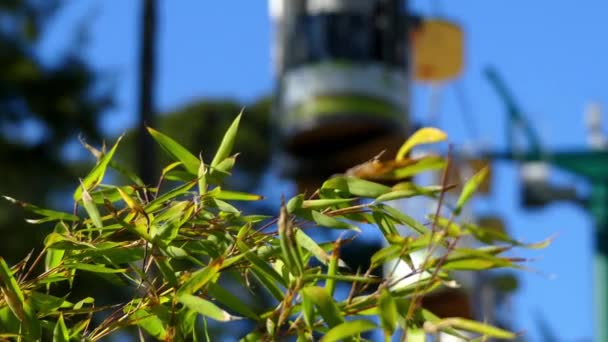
(599, 208)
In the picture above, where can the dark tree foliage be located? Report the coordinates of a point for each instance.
(199, 126)
(43, 108)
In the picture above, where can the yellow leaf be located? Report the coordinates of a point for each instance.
(426, 135)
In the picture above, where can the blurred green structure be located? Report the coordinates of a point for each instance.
(589, 164)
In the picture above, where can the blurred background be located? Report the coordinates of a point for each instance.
(93, 69)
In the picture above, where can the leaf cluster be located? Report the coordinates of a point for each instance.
(177, 249)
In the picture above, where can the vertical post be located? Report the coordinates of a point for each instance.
(146, 157)
(599, 209)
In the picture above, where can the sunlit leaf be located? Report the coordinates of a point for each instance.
(348, 329)
(331, 222)
(176, 151)
(91, 208)
(47, 214)
(199, 279)
(95, 268)
(426, 135)
(96, 175)
(205, 308)
(325, 305)
(352, 186)
(60, 333)
(477, 327)
(225, 148)
(150, 322)
(202, 177)
(320, 204)
(469, 188)
(227, 195)
(231, 301)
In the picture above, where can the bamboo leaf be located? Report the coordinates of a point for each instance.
(424, 164)
(206, 308)
(331, 222)
(348, 329)
(354, 186)
(469, 188)
(91, 208)
(216, 174)
(325, 305)
(47, 214)
(60, 333)
(231, 301)
(388, 312)
(151, 323)
(227, 195)
(95, 268)
(176, 151)
(199, 279)
(480, 328)
(425, 135)
(403, 218)
(225, 148)
(321, 204)
(289, 247)
(310, 245)
(202, 177)
(96, 175)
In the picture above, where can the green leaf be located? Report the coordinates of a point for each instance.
(160, 201)
(231, 301)
(199, 279)
(388, 312)
(331, 222)
(480, 328)
(320, 204)
(325, 304)
(202, 177)
(53, 256)
(176, 151)
(166, 271)
(386, 254)
(470, 187)
(47, 214)
(96, 175)
(407, 190)
(384, 222)
(94, 268)
(221, 170)
(227, 195)
(356, 187)
(91, 208)
(308, 311)
(332, 271)
(348, 329)
(295, 203)
(225, 148)
(205, 308)
(151, 323)
(44, 303)
(60, 333)
(426, 135)
(15, 299)
(424, 164)
(310, 245)
(403, 218)
(127, 173)
(289, 248)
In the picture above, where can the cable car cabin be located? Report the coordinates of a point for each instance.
(342, 78)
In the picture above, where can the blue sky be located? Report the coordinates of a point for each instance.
(552, 54)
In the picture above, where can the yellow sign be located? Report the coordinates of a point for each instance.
(438, 50)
